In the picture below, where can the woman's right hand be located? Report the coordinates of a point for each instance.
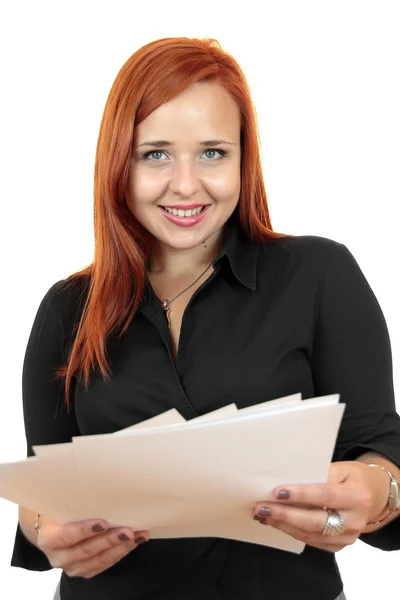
(86, 548)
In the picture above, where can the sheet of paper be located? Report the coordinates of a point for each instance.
(173, 417)
(170, 417)
(7, 489)
(63, 458)
(215, 415)
(199, 478)
(189, 471)
(51, 486)
(54, 450)
(271, 404)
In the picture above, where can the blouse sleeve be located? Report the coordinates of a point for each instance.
(45, 416)
(352, 356)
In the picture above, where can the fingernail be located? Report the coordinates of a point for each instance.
(260, 520)
(264, 512)
(140, 539)
(123, 537)
(98, 528)
(283, 495)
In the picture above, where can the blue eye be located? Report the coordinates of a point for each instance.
(221, 152)
(147, 155)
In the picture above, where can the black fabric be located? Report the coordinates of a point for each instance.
(274, 319)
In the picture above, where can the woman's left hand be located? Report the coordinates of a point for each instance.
(356, 491)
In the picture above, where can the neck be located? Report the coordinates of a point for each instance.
(179, 263)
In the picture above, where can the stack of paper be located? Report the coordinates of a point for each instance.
(175, 478)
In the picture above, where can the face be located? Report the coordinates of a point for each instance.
(184, 188)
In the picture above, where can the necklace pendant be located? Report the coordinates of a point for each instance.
(165, 305)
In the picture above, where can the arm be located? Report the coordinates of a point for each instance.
(84, 548)
(381, 489)
(45, 417)
(352, 356)
(26, 517)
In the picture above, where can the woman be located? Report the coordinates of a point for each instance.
(193, 302)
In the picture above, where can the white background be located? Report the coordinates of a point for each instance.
(325, 81)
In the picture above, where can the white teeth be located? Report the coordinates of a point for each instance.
(184, 213)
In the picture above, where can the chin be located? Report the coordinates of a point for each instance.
(183, 242)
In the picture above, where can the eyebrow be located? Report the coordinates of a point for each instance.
(162, 143)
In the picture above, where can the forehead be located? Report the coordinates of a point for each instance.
(204, 109)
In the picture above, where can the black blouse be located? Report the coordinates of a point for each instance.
(273, 319)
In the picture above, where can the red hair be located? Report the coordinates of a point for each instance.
(152, 76)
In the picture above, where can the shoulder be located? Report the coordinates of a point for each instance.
(309, 253)
(303, 247)
(318, 263)
(70, 293)
(64, 300)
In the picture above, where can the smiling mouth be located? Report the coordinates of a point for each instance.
(180, 212)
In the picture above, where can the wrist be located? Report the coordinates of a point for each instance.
(393, 497)
(380, 509)
(26, 518)
(386, 501)
(36, 523)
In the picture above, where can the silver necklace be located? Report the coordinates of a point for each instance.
(166, 303)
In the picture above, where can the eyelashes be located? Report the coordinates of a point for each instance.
(147, 155)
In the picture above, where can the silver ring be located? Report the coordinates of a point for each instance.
(334, 524)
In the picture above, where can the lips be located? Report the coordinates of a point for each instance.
(181, 212)
(185, 216)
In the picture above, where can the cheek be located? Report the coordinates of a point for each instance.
(224, 183)
(224, 187)
(143, 188)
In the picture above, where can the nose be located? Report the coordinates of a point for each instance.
(184, 181)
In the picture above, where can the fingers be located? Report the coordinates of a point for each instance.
(90, 547)
(311, 519)
(55, 536)
(328, 543)
(331, 495)
(300, 510)
(307, 524)
(114, 551)
(86, 546)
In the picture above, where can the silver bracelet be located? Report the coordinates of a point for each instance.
(393, 499)
(36, 524)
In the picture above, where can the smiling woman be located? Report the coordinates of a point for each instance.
(192, 303)
(197, 192)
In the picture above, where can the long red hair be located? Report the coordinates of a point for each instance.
(153, 75)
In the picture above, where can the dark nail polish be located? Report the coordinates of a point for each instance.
(261, 520)
(123, 537)
(140, 539)
(98, 528)
(284, 495)
(264, 512)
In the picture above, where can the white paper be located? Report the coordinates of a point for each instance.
(197, 478)
(171, 417)
(51, 486)
(226, 466)
(271, 404)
